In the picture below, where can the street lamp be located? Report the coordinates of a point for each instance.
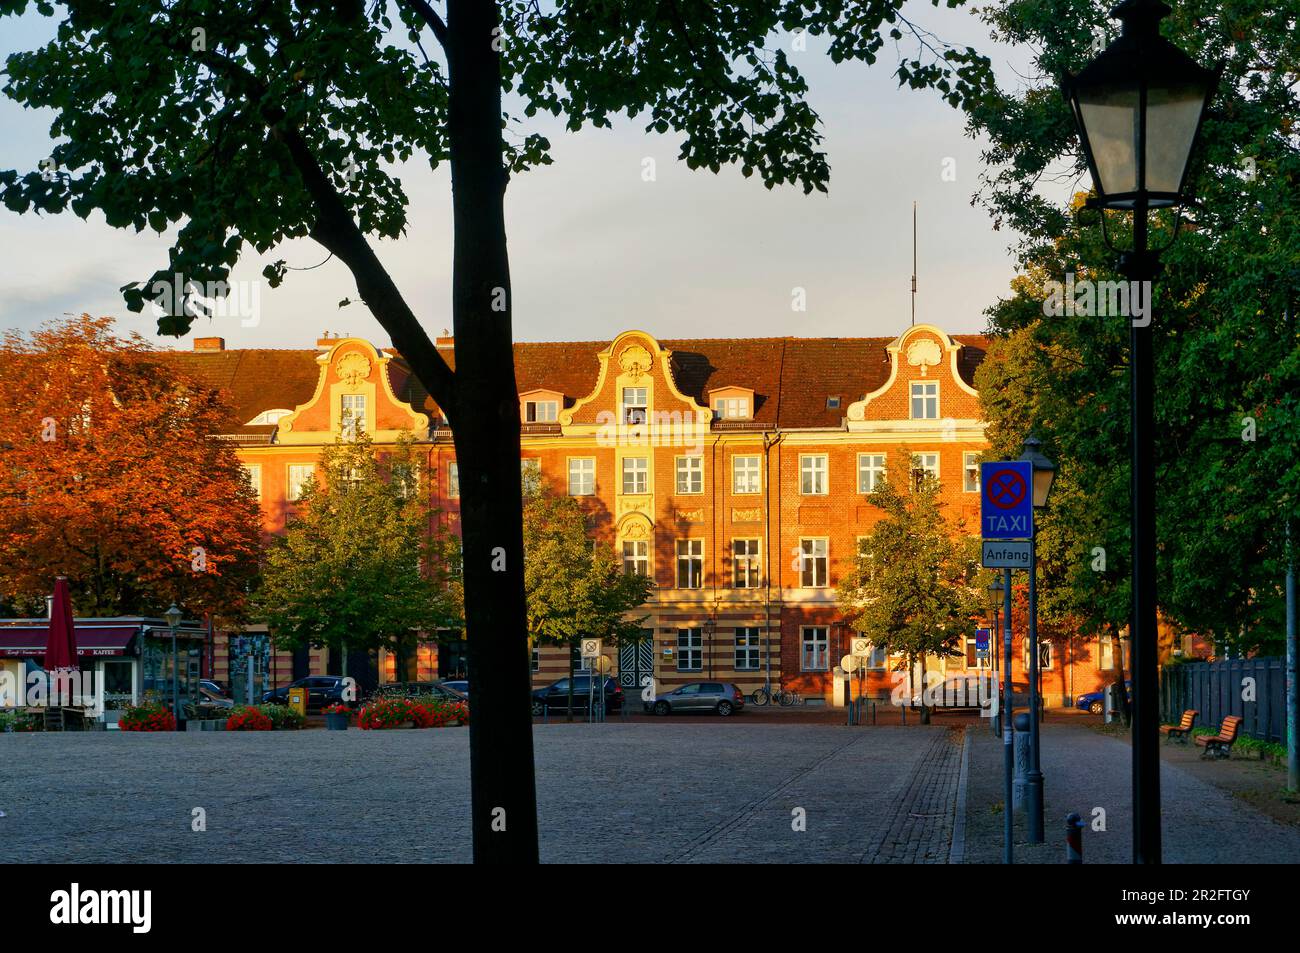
(1044, 473)
(995, 590)
(173, 617)
(1139, 106)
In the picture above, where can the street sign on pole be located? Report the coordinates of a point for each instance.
(1007, 500)
(861, 647)
(1006, 554)
(591, 648)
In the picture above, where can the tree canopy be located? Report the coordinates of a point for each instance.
(363, 565)
(1227, 350)
(111, 477)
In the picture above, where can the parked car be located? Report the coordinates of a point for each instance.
(1095, 702)
(555, 696)
(721, 697)
(213, 687)
(213, 699)
(414, 689)
(458, 684)
(322, 690)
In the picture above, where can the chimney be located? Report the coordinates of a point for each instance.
(445, 339)
(327, 340)
(209, 344)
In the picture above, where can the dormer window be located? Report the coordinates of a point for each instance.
(541, 411)
(732, 403)
(731, 408)
(925, 400)
(352, 415)
(268, 417)
(635, 405)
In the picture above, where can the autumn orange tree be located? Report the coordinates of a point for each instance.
(111, 476)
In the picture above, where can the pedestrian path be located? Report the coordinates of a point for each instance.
(1090, 773)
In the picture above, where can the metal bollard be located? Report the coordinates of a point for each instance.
(1073, 838)
(1021, 724)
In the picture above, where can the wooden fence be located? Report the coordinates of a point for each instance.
(1253, 688)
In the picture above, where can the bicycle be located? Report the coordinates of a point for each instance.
(774, 695)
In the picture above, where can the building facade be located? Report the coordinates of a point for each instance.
(738, 473)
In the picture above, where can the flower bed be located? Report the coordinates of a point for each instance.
(424, 712)
(283, 718)
(249, 719)
(147, 717)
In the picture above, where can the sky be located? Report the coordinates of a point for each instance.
(594, 248)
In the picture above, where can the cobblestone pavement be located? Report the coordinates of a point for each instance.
(1083, 771)
(688, 791)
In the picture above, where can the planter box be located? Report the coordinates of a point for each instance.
(336, 722)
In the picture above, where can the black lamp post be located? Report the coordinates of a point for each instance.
(1044, 472)
(995, 590)
(1139, 106)
(173, 617)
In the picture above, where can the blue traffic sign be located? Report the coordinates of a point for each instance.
(982, 640)
(1007, 500)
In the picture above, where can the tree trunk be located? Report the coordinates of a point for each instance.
(1125, 713)
(486, 432)
(925, 710)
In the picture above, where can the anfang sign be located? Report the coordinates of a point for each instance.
(1014, 554)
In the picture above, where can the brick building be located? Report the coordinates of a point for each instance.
(737, 472)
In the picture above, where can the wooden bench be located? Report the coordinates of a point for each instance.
(1220, 745)
(1183, 728)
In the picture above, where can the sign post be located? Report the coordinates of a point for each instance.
(1007, 528)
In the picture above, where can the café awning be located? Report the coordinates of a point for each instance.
(92, 640)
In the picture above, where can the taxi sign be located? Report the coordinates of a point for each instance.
(1007, 499)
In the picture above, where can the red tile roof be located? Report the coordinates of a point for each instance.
(791, 377)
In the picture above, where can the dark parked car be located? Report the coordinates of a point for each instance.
(555, 696)
(322, 690)
(1095, 702)
(415, 689)
(721, 697)
(214, 687)
(458, 684)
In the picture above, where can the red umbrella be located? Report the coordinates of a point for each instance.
(61, 644)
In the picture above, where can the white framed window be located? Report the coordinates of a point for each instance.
(814, 555)
(690, 474)
(635, 405)
(690, 564)
(970, 471)
(453, 480)
(924, 465)
(636, 557)
(580, 664)
(814, 648)
(582, 476)
(1045, 655)
(636, 475)
(541, 411)
(731, 408)
(690, 650)
(748, 647)
(1106, 652)
(925, 400)
(871, 471)
(254, 473)
(299, 475)
(812, 474)
(352, 415)
(535, 661)
(746, 475)
(746, 563)
(878, 658)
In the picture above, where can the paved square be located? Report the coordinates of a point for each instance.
(695, 790)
